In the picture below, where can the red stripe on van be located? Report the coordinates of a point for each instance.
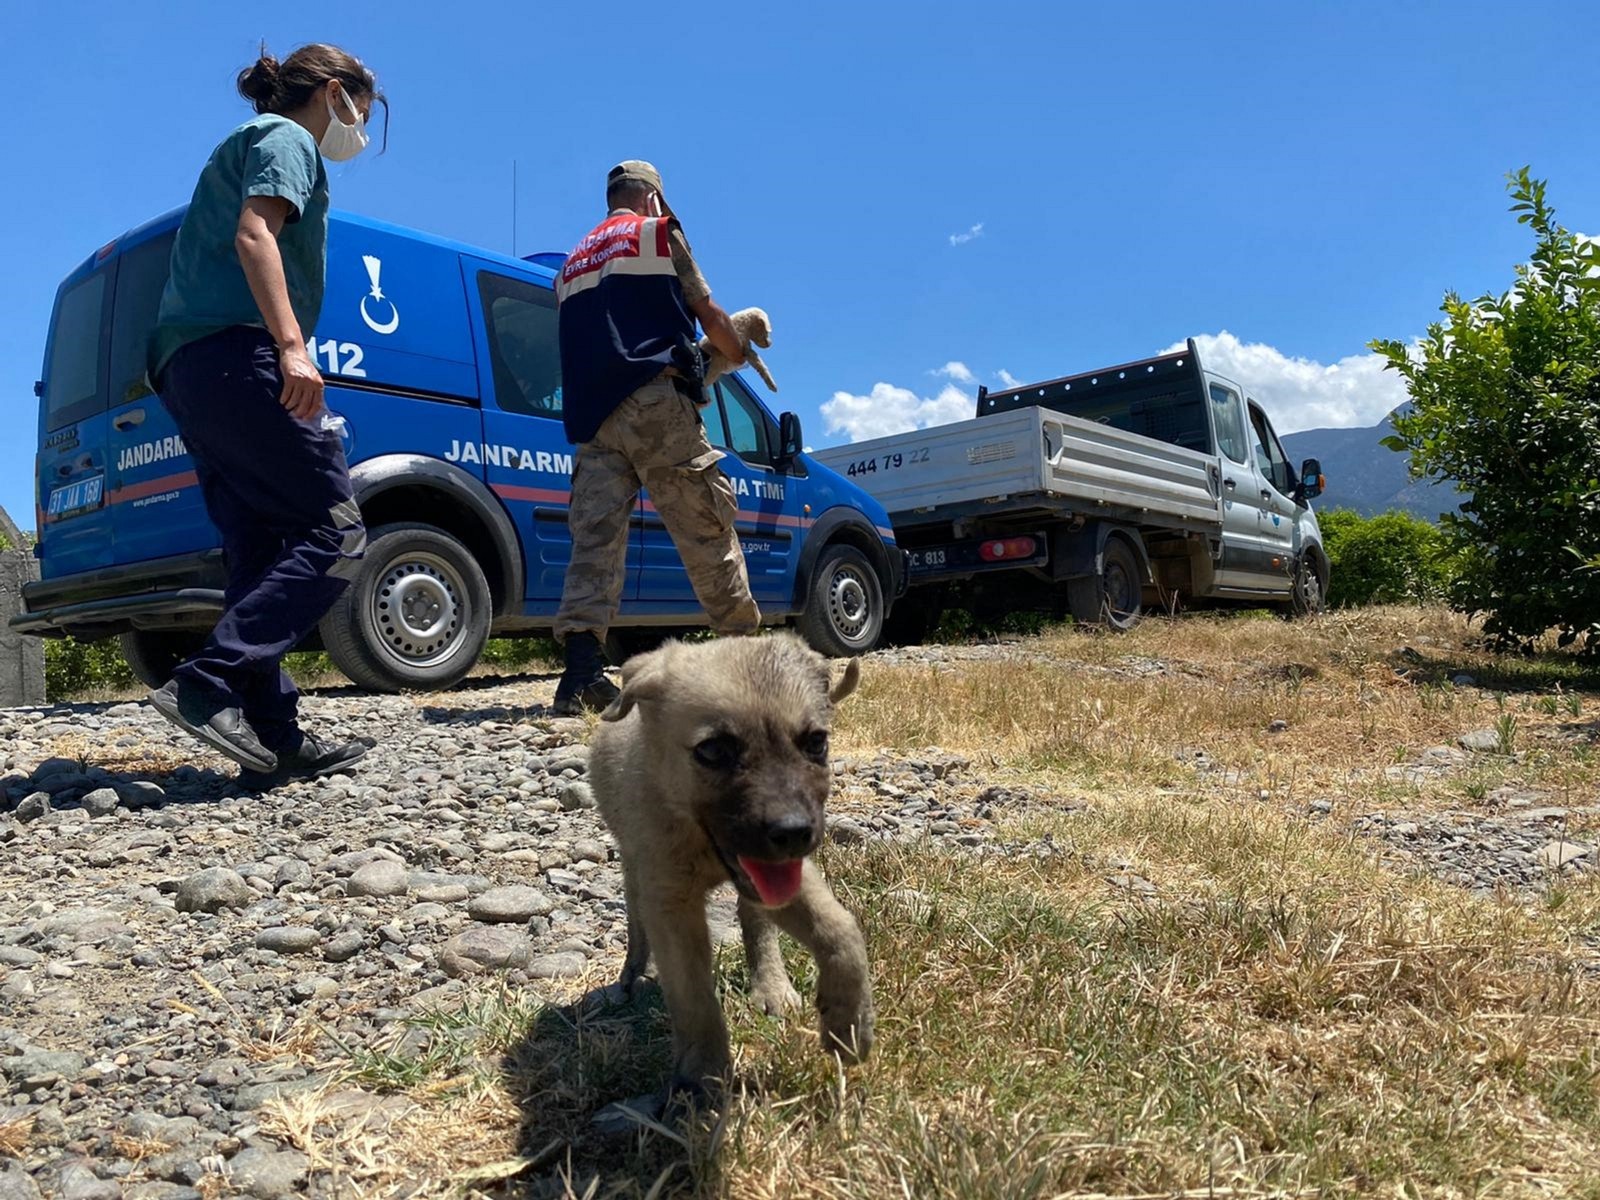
(512, 491)
(153, 487)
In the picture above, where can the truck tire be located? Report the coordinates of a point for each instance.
(1306, 600)
(416, 615)
(1112, 597)
(152, 654)
(843, 612)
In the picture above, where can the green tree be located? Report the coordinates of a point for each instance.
(1392, 558)
(1505, 401)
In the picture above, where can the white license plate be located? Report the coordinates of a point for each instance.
(77, 496)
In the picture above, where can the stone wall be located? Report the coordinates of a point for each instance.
(21, 658)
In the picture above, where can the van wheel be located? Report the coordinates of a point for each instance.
(1307, 598)
(416, 616)
(153, 654)
(843, 613)
(1111, 598)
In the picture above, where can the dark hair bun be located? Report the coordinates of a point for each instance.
(258, 83)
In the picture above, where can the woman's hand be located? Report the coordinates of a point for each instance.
(302, 382)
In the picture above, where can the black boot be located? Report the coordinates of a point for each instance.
(584, 686)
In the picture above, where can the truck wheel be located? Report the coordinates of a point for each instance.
(416, 615)
(152, 654)
(1307, 598)
(1111, 598)
(843, 613)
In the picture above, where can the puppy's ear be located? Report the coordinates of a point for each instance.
(847, 682)
(644, 678)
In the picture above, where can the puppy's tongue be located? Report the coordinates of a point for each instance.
(776, 883)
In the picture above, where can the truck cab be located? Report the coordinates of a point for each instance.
(443, 375)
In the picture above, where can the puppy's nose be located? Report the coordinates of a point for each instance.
(791, 835)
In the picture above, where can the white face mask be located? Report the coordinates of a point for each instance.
(343, 140)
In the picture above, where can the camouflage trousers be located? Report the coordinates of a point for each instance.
(654, 438)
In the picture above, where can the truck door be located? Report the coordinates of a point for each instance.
(1277, 513)
(155, 497)
(768, 519)
(527, 458)
(1246, 556)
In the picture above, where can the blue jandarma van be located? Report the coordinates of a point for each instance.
(441, 361)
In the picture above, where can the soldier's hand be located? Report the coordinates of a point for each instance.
(302, 383)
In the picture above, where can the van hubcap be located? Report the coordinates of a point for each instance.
(419, 610)
(849, 603)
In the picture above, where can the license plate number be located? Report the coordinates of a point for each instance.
(925, 560)
(77, 496)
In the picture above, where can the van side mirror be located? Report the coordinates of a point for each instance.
(790, 440)
(1312, 481)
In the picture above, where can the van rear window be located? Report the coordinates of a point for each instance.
(141, 277)
(72, 376)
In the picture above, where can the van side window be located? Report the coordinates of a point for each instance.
(526, 359)
(735, 422)
(1270, 458)
(141, 276)
(1230, 425)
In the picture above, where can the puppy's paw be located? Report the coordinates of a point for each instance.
(846, 1026)
(775, 997)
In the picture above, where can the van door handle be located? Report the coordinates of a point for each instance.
(1229, 484)
(1266, 495)
(129, 420)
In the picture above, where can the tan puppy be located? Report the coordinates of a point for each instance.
(713, 765)
(754, 329)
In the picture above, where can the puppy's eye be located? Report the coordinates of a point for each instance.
(720, 753)
(814, 744)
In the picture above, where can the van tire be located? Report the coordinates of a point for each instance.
(416, 615)
(843, 613)
(153, 654)
(1309, 593)
(1112, 597)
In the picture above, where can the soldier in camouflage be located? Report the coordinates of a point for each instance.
(628, 298)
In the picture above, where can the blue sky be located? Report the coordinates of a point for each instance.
(922, 196)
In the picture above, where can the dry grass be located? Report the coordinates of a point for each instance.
(1286, 1014)
(15, 1137)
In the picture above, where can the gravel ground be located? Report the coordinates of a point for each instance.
(172, 949)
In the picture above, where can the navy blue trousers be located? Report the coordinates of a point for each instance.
(278, 490)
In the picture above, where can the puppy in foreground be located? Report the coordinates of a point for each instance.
(712, 765)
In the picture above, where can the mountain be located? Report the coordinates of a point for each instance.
(1366, 475)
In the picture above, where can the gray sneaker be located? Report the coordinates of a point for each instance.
(218, 725)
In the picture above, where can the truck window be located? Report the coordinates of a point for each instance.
(72, 377)
(1269, 454)
(735, 422)
(1229, 423)
(141, 276)
(524, 353)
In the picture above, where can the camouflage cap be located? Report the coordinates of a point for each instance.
(634, 170)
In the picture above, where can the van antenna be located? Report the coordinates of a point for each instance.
(513, 208)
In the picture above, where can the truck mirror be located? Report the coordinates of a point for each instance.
(790, 440)
(1312, 482)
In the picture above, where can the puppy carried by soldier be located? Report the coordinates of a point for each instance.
(754, 329)
(712, 765)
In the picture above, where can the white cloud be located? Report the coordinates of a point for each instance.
(961, 239)
(956, 371)
(888, 409)
(1300, 393)
(1007, 378)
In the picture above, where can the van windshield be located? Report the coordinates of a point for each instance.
(72, 376)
